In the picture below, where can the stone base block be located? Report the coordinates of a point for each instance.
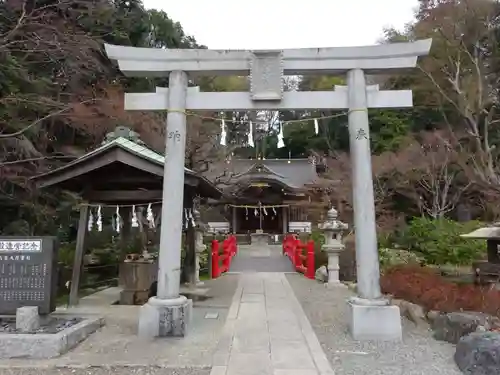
(47, 345)
(27, 318)
(374, 321)
(259, 239)
(165, 318)
(335, 284)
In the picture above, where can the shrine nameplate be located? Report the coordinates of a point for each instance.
(28, 273)
(266, 75)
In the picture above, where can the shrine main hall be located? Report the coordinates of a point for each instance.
(262, 196)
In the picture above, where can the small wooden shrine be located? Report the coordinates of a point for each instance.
(487, 271)
(122, 172)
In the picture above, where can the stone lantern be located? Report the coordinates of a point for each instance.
(199, 229)
(332, 231)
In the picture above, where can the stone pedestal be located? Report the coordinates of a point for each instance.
(332, 232)
(259, 239)
(165, 317)
(27, 319)
(374, 320)
(136, 277)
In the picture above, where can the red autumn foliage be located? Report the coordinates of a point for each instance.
(433, 292)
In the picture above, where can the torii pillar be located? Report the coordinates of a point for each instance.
(371, 315)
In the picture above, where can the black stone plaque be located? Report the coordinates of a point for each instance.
(28, 271)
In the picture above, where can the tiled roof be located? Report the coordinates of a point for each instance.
(484, 233)
(295, 173)
(133, 147)
(138, 150)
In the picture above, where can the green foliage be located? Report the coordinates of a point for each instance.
(299, 138)
(66, 254)
(388, 130)
(439, 242)
(51, 58)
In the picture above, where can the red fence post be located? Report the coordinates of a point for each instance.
(215, 259)
(294, 249)
(310, 271)
(229, 249)
(297, 251)
(226, 258)
(232, 250)
(230, 253)
(289, 246)
(232, 245)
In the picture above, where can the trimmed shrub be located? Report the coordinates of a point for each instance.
(439, 241)
(425, 287)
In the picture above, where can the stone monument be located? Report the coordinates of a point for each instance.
(28, 274)
(332, 231)
(266, 70)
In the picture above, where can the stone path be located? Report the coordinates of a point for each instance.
(267, 333)
(261, 259)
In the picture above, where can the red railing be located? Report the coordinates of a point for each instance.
(221, 262)
(301, 254)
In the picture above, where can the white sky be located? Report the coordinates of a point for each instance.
(278, 24)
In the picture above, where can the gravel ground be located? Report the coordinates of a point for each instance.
(149, 370)
(418, 354)
(116, 349)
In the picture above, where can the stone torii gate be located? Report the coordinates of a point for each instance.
(371, 316)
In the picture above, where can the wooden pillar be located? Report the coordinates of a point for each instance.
(79, 253)
(234, 220)
(285, 219)
(126, 230)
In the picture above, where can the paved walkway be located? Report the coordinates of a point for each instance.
(267, 333)
(261, 259)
